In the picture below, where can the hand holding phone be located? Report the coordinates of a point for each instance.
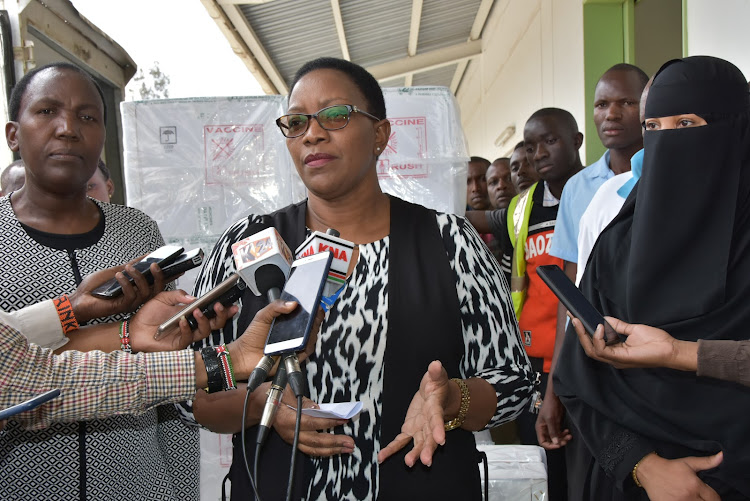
(576, 303)
(226, 293)
(162, 256)
(290, 332)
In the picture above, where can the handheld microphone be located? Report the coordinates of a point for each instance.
(263, 261)
(272, 404)
(342, 253)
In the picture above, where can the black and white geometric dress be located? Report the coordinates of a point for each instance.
(347, 364)
(152, 456)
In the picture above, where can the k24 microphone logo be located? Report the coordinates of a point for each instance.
(254, 250)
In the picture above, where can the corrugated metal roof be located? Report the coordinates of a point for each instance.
(443, 74)
(292, 30)
(376, 33)
(446, 22)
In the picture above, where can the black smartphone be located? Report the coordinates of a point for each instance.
(290, 332)
(29, 404)
(204, 303)
(576, 303)
(184, 262)
(226, 299)
(163, 256)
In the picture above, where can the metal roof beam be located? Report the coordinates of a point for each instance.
(416, 20)
(236, 27)
(427, 61)
(245, 53)
(339, 22)
(242, 25)
(476, 32)
(482, 14)
(458, 75)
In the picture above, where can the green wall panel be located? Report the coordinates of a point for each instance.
(607, 40)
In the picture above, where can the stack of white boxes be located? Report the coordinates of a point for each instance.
(516, 472)
(197, 165)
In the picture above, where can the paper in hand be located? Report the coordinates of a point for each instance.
(342, 410)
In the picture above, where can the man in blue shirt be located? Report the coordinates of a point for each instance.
(616, 115)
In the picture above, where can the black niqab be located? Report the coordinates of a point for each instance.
(676, 257)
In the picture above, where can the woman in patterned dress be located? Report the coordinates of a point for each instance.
(424, 302)
(53, 235)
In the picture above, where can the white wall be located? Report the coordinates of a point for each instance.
(720, 29)
(532, 57)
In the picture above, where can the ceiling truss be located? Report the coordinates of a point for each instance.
(233, 20)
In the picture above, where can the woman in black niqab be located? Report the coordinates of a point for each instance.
(677, 257)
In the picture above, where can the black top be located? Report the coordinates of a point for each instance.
(68, 242)
(421, 339)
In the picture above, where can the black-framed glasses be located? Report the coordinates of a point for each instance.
(330, 118)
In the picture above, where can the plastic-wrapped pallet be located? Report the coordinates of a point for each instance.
(426, 160)
(516, 472)
(197, 165)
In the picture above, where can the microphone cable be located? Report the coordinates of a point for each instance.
(244, 450)
(290, 482)
(298, 384)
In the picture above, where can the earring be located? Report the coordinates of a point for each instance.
(377, 149)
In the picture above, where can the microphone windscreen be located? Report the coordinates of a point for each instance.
(269, 276)
(265, 249)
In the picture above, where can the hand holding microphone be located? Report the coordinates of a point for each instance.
(264, 261)
(291, 332)
(247, 350)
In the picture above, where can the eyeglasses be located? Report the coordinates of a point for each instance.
(330, 118)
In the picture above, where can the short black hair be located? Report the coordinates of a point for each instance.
(105, 170)
(518, 145)
(501, 159)
(365, 82)
(14, 103)
(562, 116)
(642, 76)
(480, 160)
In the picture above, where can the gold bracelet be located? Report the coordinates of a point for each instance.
(635, 471)
(463, 408)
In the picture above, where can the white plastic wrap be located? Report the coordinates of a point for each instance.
(216, 458)
(196, 165)
(426, 161)
(516, 472)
